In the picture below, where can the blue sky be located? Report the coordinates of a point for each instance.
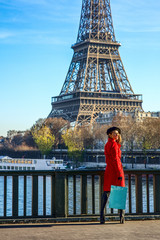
(35, 53)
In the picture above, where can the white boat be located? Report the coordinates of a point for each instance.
(23, 164)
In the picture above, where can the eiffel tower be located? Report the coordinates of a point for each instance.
(96, 81)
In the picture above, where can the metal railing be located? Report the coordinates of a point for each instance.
(49, 194)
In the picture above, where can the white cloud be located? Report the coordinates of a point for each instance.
(136, 16)
(31, 37)
(28, 2)
(5, 35)
(39, 10)
(139, 29)
(39, 2)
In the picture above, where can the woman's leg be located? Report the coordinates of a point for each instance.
(122, 213)
(103, 204)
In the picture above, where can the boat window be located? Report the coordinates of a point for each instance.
(16, 168)
(24, 168)
(12, 167)
(29, 161)
(12, 161)
(8, 167)
(20, 168)
(28, 168)
(35, 161)
(33, 168)
(26, 161)
(4, 167)
(0, 167)
(52, 162)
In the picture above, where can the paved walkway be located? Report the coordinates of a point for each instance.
(147, 230)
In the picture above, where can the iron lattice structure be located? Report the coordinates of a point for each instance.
(96, 80)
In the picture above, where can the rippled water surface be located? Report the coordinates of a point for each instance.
(70, 196)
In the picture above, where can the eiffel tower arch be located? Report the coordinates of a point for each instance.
(96, 81)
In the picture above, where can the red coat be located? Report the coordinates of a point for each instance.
(114, 168)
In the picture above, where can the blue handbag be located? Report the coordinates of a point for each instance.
(118, 197)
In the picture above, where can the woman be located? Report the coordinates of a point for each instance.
(114, 174)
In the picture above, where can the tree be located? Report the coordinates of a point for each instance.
(149, 132)
(39, 124)
(56, 126)
(28, 140)
(73, 140)
(100, 136)
(17, 140)
(43, 138)
(129, 128)
(86, 135)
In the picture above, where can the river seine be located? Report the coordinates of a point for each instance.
(70, 196)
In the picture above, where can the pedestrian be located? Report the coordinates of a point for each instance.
(114, 174)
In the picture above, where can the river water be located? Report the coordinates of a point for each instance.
(70, 196)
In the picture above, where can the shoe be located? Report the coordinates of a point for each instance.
(103, 204)
(122, 220)
(102, 220)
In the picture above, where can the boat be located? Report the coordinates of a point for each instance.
(24, 164)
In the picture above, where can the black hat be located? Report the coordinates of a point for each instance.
(109, 130)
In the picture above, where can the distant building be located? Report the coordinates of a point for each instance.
(107, 117)
(12, 133)
(140, 116)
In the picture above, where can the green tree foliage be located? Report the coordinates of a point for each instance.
(43, 138)
(73, 141)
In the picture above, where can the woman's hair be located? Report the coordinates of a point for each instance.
(119, 138)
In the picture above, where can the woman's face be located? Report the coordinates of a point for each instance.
(114, 135)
